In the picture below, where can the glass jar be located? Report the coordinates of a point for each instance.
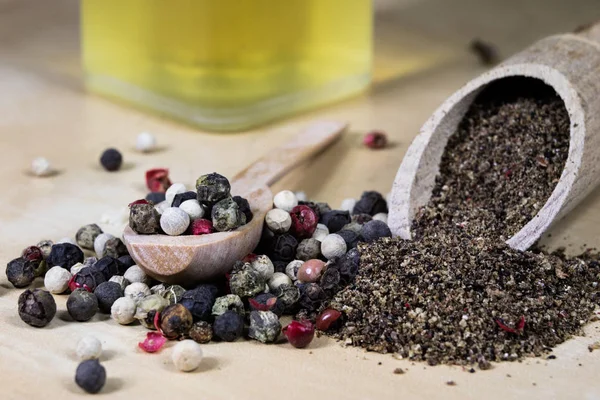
(227, 64)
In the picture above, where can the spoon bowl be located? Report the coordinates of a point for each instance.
(190, 259)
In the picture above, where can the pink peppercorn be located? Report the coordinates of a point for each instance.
(32, 253)
(249, 258)
(310, 271)
(327, 318)
(157, 180)
(299, 333)
(304, 222)
(375, 140)
(201, 227)
(141, 201)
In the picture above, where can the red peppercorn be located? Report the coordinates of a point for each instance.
(299, 333)
(140, 201)
(327, 318)
(201, 227)
(249, 258)
(32, 253)
(310, 271)
(304, 222)
(375, 140)
(157, 179)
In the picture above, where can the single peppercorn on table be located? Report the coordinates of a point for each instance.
(44, 112)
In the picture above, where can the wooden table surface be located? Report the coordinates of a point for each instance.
(421, 58)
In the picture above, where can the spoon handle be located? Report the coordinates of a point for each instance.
(269, 169)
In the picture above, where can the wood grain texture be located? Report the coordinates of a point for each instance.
(568, 63)
(421, 58)
(186, 260)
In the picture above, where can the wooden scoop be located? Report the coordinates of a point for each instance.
(570, 64)
(190, 259)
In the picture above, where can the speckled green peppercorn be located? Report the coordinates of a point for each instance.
(115, 248)
(226, 215)
(173, 293)
(264, 326)
(86, 235)
(246, 281)
(144, 219)
(82, 305)
(289, 296)
(36, 307)
(212, 187)
(228, 302)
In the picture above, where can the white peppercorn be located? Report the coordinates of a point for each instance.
(174, 221)
(264, 266)
(41, 167)
(123, 310)
(320, 232)
(137, 291)
(136, 274)
(348, 204)
(120, 280)
(381, 217)
(285, 200)
(301, 196)
(145, 142)
(278, 220)
(333, 246)
(174, 189)
(100, 243)
(278, 279)
(77, 267)
(291, 270)
(161, 207)
(57, 280)
(187, 355)
(45, 246)
(193, 209)
(88, 348)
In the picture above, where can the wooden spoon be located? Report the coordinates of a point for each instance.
(191, 259)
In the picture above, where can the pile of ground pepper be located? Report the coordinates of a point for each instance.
(457, 294)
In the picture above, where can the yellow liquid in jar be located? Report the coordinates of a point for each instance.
(227, 64)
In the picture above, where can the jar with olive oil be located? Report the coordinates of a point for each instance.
(227, 64)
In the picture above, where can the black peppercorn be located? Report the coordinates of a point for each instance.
(21, 272)
(86, 235)
(311, 296)
(201, 332)
(228, 326)
(280, 266)
(330, 279)
(144, 219)
(108, 266)
(107, 293)
(115, 248)
(90, 376)
(348, 266)
(36, 307)
(200, 301)
(370, 203)
(82, 305)
(64, 254)
(181, 197)
(111, 159)
(361, 218)
(156, 197)
(283, 248)
(350, 237)
(374, 230)
(89, 278)
(244, 207)
(212, 188)
(335, 220)
(175, 321)
(323, 208)
(124, 263)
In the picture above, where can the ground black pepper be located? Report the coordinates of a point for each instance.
(458, 294)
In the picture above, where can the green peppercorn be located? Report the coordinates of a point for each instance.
(36, 307)
(82, 305)
(86, 235)
(226, 215)
(212, 187)
(173, 293)
(226, 303)
(144, 219)
(246, 281)
(264, 326)
(115, 248)
(175, 321)
(148, 307)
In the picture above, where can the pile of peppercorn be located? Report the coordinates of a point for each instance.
(177, 211)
